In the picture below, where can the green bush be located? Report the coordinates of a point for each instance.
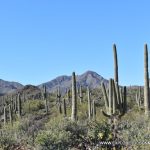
(98, 131)
(60, 135)
(33, 105)
(49, 140)
(6, 141)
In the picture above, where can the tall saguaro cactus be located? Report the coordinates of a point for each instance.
(105, 96)
(58, 96)
(110, 96)
(45, 98)
(74, 98)
(68, 95)
(89, 103)
(80, 94)
(124, 99)
(146, 81)
(94, 110)
(5, 116)
(114, 97)
(115, 64)
(10, 114)
(64, 107)
(19, 105)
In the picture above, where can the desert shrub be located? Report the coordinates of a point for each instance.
(61, 135)
(33, 105)
(136, 133)
(98, 132)
(6, 141)
(49, 140)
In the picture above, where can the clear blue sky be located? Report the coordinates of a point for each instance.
(42, 39)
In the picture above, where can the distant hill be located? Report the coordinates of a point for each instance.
(8, 87)
(89, 78)
(30, 91)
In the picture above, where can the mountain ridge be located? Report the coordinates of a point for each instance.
(88, 78)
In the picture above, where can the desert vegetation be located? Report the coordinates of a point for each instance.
(112, 116)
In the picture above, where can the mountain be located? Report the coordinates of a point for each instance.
(89, 78)
(9, 87)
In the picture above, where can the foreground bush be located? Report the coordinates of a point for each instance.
(61, 135)
(6, 141)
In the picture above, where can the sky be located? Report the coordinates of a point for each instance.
(43, 39)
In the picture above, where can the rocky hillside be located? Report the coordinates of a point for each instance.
(8, 87)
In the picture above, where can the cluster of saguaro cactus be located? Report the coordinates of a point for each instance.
(116, 108)
(146, 82)
(7, 110)
(116, 98)
(74, 98)
(91, 106)
(11, 105)
(116, 101)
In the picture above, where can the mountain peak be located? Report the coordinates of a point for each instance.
(90, 72)
(89, 78)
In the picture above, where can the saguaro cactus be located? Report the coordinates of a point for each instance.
(80, 94)
(89, 103)
(124, 99)
(45, 98)
(5, 116)
(24, 97)
(118, 97)
(110, 96)
(10, 114)
(19, 105)
(105, 96)
(146, 81)
(60, 108)
(68, 95)
(115, 64)
(94, 110)
(139, 97)
(114, 97)
(15, 104)
(58, 96)
(74, 98)
(59, 100)
(64, 107)
(113, 103)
